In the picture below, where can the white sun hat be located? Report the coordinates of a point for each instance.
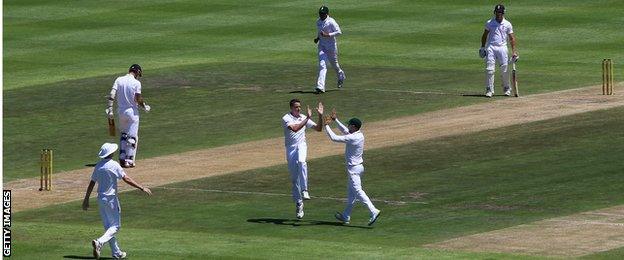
(107, 149)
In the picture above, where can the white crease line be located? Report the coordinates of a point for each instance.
(287, 195)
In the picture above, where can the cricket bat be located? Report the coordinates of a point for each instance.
(514, 80)
(111, 127)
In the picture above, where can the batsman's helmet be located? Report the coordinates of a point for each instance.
(499, 9)
(324, 10)
(136, 68)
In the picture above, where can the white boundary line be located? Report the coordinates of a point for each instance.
(394, 202)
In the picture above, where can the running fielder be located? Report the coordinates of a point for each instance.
(127, 89)
(295, 124)
(354, 140)
(328, 29)
(106, 173)
(497, 30)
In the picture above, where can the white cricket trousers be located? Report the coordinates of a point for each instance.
(298, 168)
(496, 54)
(110, 212)
(355, 191)
(328, 55)
(128, 125)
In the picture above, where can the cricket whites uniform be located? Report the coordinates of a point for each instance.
(496, 49)
(106, 174)
(328, 50)
(353, 155)
(128, 110)
(296, 154)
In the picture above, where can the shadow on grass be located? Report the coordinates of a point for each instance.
(83, 257)
(312, 91)
(298, 222)
(481, 95)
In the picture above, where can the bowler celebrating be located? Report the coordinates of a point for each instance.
(294, 124)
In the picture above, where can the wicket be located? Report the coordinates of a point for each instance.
(607, 77)
(47, 157)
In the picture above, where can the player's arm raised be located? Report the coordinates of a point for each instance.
(319, 110)
(297, 127)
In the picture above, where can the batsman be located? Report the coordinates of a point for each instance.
(494, 50)
(127, 91)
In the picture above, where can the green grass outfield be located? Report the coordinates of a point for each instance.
(221, 72)
(470, 184)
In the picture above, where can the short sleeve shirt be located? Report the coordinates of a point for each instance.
(498, 32)
(106, 174)
(127, 87)
(291, 137)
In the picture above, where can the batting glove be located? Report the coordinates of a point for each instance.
(482, 52)
(147, 108)
(109, 112)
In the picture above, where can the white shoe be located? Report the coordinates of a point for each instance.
(508, 93)
(305, 195)
(489, 94)
(97, 248)
(299, 210)
(374, 217)
(341, 218)
(318, 90)
(340, 83)
(122, 255)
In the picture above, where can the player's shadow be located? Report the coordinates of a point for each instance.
(300, 222)
(84, 257)
(311, 91)
(480, 95)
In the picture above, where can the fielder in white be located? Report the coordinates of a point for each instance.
(328, 29)
(127, 89)
(497, 30)
(106, 173)
(354, 149)
(295, 124)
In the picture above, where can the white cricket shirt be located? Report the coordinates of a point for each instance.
(127, 86)
(292, 138)
(329, 25)
(106, 174)
(498, 32)
(354, 148)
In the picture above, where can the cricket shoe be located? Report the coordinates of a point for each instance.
(121, 255)
(508, 92)
(299, 210)
(374, 217)
(341, 218)
(97, 248)
(340, 83)
(489, 94)
(305, 195)
(317, 90)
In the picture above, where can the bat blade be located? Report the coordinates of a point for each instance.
(111, 127)
(514, 81)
